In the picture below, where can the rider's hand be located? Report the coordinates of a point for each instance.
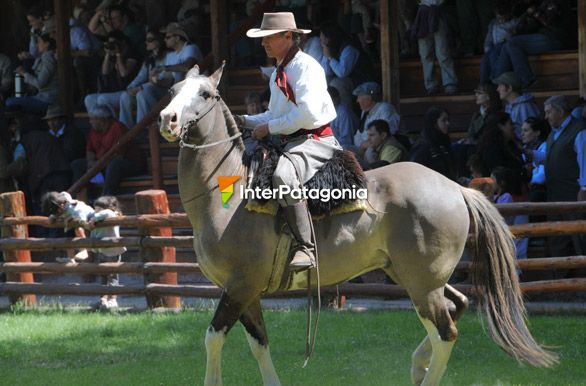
(239, 119)
(260, 131)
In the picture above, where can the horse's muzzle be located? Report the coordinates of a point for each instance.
(169, 126)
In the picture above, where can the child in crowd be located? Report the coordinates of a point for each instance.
(500, 29)
(508, 188)
(107, 207)
(61, 206)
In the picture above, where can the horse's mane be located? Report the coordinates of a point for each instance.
(231, 124)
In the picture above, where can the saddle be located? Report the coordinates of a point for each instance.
(342, 171)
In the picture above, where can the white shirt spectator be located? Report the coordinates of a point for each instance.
(173, 58)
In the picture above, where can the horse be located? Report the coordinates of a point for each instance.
(415, 228)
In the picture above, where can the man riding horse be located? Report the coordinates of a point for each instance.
(300, 112)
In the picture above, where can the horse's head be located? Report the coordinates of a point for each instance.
(192, 99)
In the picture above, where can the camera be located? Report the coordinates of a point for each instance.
(111, 46)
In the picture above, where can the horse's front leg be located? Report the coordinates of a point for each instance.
(227, 313)
(258, 340)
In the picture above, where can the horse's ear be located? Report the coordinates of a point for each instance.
(217, 75)
(193, 72)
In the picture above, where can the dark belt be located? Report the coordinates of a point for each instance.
(322, 131)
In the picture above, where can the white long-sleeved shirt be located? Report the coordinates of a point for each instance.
(313, 106)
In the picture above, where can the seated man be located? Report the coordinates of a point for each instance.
(300, 111)
(385, 147)
(105, 132)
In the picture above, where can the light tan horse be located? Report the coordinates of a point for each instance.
(415, 230)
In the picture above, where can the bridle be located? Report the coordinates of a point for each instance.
(185, 129)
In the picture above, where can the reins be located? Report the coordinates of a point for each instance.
(189, 124)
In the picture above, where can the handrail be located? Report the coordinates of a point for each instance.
(206, 63)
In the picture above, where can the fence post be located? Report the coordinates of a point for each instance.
(155, 202)
(12, 204)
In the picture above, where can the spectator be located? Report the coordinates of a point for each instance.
(386, 149)
(144, 90)
(105, 132)
(346, 122)
(518, 106)
(6, 77)
(534, 135)
(434, 148)
(183, 55)
(548, 28)
(107, 207)
(43, 166)
(43, 78)
(345, 65)
(488, 101)
(508, 189)
(253, 103)
(117, 18)
(500, 29)
(118, 69)
(34, 16)
(431, 30)
(368, 97)
(579, 112)
(498, 147)
(70, 139)
(565, 169)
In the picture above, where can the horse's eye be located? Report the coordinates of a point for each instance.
(205, 94)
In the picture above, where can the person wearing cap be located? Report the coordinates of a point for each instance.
(519, 106)
(565, 169)
(182, 57)
(105, 132)
(368, 96)
(300, 111)
(70, 139)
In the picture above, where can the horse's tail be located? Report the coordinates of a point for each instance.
(496, 283)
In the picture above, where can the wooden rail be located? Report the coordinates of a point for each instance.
(156, 240)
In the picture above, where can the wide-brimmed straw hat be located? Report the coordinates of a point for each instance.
(276, 22)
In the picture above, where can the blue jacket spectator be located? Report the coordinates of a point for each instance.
(518, 106)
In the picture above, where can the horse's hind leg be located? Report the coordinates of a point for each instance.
(459, 300)
(422, 355)
(258, 340)
(441, 335)
(227, 313)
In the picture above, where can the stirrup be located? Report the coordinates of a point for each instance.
(301, 261)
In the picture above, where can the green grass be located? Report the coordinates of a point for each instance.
(370, 348)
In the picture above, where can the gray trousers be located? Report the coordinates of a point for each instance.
(437, 42)
(309, 156)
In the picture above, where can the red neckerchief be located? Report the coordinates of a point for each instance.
(281, 78)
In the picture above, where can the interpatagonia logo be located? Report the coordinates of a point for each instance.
(226, 186)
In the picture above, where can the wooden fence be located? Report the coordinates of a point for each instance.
(156, 246)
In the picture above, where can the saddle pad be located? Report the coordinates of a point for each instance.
(272, 207)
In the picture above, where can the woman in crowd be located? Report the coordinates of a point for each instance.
(434, 148)
(345, 65)
(498, 146)
(534, 133)
(43, 78)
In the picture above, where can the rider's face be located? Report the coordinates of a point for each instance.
(277, 45)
